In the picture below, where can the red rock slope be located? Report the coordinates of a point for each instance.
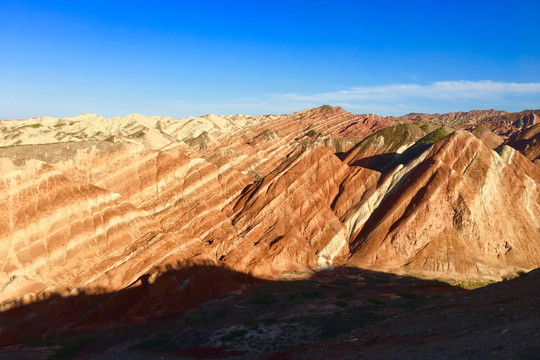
(445, 218)
(258, 194)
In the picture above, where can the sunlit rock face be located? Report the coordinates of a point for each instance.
(446, 217)
(96, 203)
(53, 229)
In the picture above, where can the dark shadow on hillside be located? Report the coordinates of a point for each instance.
(326, 303)
(173, 291)
(380, 163)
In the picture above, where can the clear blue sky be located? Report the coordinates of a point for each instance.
(183, 58)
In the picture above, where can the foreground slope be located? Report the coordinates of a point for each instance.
(500, 321)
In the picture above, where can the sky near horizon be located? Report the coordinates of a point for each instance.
(190, 58)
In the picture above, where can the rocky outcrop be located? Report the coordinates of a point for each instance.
(489, 138)
(380, 149)
(285, 221)
(444, 218)
(527, 141)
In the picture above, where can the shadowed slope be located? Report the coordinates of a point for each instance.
(527, 142)
(245, 314)
(499, 321)
(381, 148)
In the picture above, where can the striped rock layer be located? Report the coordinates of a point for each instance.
(99, 204)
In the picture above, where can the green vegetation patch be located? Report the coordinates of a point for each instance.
(137, 135)
(326, 108)
(161, 341)
(313, 294)
(313, 133)
(34, 126)
(375, 301)
(393, 137)
(71, 348)
(434, 136)
(267, 135)
(255, 175)
(424, 143)
(338, 144)
(345, 281)
(344, 295)
(472, 284)
(200, 141)
(263, 299)
(295, 272)
(233, 335)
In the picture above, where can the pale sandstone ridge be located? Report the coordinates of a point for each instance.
(98, 203)
(154, 132)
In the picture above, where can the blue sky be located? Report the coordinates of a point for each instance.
(190, 58)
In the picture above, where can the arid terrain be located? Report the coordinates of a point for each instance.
(316, 234)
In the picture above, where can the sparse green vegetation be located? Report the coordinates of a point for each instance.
(263, 299)
(338, 144)
(161, 341)
(434, 136)
(200, 141)
(344, 295)
(139, 134)
(345, 281)
(267, 135)
(472, 284)
(409, 295)
(424, 127)
(314, 294)
(326, 108)
(312, 133)
(71, 348)
(424, 143)
(34, 126)
(295, 272)
(375, 301)
(256, 175)
(393, 136)
(110, 139)
(234, 334)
